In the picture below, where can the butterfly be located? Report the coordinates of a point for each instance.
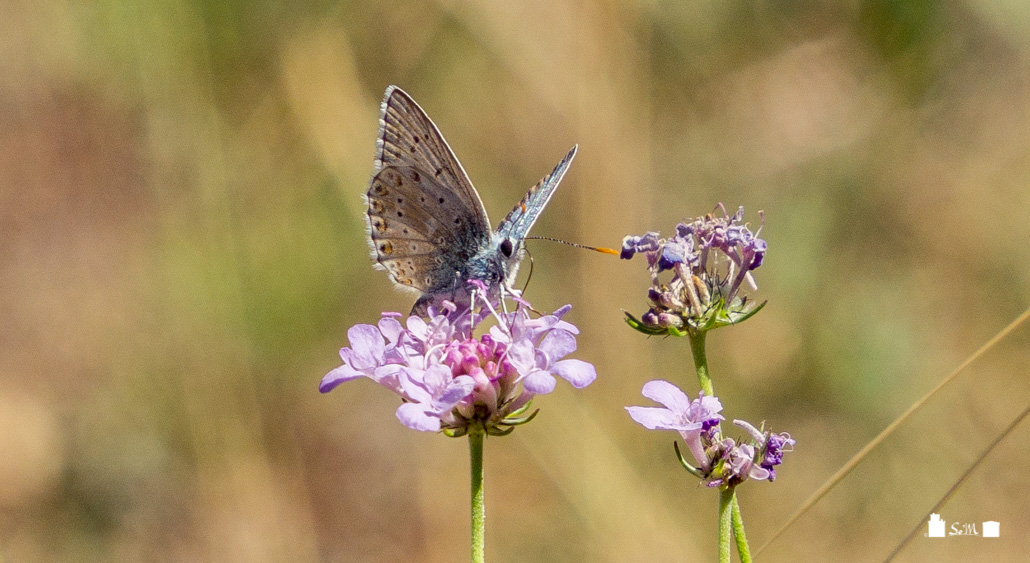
(427, 225)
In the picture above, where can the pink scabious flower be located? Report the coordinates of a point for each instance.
(448, 378)
(710, 258)
(721, 462)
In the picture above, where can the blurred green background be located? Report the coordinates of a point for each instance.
(182, 250)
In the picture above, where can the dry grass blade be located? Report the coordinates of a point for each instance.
(854, 461)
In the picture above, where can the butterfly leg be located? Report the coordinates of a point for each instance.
(504, 302)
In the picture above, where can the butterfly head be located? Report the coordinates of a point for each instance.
(507, 256)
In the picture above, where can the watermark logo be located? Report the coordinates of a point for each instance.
(937, 528)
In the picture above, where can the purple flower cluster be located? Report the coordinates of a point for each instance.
(721, 462)
(449, 379)
(710, 258)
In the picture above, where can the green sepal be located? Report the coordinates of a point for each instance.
(456, 432)
(750, 313)
(519, 411)
(510, 421)
(497, 431)
(652, 330)
(716, 317)
(693, 470)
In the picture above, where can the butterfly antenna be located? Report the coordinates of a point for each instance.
(600, 249)
(525, 286)
(529, 277)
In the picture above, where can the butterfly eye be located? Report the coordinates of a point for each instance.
(507, 247)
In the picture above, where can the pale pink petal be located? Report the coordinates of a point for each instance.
(577, 372)
(653, 418)
(418, 327)
(661, 391)
(413, 386)
(367, 346)
(558, 344)
(522, 356)
(539, 382)
(414, 416)
(338, 376)
(391, 329)
(455, 391)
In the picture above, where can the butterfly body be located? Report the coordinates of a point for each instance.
(427, 225)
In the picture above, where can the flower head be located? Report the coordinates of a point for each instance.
(449, 379)
(770, 447)
(721, 461)
(710, 259)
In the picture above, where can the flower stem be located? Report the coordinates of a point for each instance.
(725, 516)
(697, 348)
(738, 533)
(476, 433)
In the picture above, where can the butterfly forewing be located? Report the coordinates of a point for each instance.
(407, 137)
(516, 225)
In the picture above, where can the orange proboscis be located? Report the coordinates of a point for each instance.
(600, 249)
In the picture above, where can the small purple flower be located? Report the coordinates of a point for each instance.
(735, 465)
(678, 250)
(433, 393)
(720, 461)
(364, 358)
(539, 365)
(692, 419)
(633, 244)
(447, 378)
(710, 258)
(771, 447)
(679, 413)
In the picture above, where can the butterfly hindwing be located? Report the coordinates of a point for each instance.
(421, 232)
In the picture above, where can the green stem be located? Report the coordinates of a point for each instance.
(730, 521)
(725, 516)
(476, 433)
(738, 533)
(697, 348)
